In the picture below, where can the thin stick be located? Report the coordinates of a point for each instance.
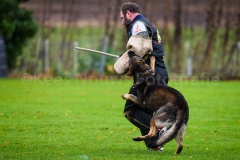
(95, 51)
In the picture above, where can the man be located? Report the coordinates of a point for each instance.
(145, 41)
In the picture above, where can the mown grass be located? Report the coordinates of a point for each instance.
(82, 119)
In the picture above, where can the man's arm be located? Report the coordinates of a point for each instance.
(140, 42)
(139, 29)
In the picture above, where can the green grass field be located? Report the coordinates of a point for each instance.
(82, 119)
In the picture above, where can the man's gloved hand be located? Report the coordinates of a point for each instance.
(131, 52)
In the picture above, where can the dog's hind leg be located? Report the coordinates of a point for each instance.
(162, 118)
(179, 139)
(151, 133)
(132, 98)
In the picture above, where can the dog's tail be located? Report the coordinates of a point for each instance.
(177, 130)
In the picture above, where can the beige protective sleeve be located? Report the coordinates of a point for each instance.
(140, 46)
(121, 65)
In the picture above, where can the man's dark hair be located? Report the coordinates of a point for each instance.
(132, 7)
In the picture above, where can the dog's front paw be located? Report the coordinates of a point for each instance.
(125, 96)
(137, 139)
(152, 58)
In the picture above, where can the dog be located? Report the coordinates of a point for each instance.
(170, 107)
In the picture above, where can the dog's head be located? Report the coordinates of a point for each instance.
(137, 65)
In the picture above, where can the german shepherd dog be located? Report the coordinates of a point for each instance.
(170, 107)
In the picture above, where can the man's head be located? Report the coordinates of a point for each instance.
(128, 12)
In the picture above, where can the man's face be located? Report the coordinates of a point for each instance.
(125, 20)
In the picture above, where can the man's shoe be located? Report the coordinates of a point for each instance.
(161, 132)
(160, 149)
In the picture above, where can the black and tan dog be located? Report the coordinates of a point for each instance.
(169, 105)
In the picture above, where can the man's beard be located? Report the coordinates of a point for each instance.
(127, 23)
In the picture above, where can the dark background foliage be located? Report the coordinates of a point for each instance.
(16, 26)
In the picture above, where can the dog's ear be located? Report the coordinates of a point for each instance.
(130, 72)
(131, 54)
(140, 63)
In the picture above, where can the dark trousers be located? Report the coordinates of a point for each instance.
(140, 117)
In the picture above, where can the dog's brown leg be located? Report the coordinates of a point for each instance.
(152, 63)
(179, 139)
(153, 128)
(151, 133)
(132, 98)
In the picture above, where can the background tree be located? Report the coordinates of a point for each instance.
(177, 44)
(16, 26)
